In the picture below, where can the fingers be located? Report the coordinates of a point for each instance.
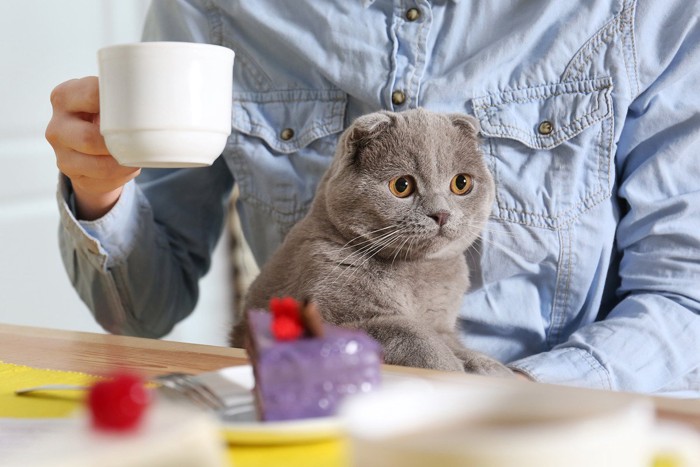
(75, 122)
(77, 95)
(94, 173)
(81, 153)
(70, 131)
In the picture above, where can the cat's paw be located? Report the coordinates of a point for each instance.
(431, 360)
(480, 364)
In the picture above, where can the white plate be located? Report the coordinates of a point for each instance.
(241, 426)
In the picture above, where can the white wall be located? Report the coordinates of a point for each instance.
(42, 43)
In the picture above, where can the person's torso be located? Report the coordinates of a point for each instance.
(549, 83)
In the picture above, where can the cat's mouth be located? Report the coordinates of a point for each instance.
(444, 231)
(438, 238)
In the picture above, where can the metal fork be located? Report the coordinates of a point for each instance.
(51, 387)
(183, 384)
(199, 393)
(173, 385)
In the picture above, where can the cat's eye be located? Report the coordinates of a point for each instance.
(462, 184)
(403, 186)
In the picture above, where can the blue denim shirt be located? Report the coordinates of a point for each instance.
(588, 271)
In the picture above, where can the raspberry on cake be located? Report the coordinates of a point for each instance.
(304, 367)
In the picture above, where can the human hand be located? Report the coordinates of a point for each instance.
(81, 154)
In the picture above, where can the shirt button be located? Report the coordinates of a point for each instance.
(413, 14)
(398, 97)
(287, 134)
(545, 128)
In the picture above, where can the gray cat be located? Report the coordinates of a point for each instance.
(382, 247)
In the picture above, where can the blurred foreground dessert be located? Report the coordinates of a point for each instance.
(123, 426)
(304, 367)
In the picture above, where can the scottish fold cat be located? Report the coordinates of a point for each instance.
(382, 247)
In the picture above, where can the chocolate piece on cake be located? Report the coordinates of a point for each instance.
(308, 375)
(311, 319)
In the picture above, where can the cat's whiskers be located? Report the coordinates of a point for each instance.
(472, 250)
(363, 255)
(367, 253)
(408, 250)
(399, 249)
(358, 253)
(380, 247)
(366, 236)
(372, 254)
(363, 247)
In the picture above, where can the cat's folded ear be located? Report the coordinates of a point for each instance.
(370, 125)
(364, 130)
(466, 122)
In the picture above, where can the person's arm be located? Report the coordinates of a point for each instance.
(651, 340)
(134, 251)
(137, 268)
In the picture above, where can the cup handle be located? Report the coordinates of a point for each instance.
(674, 445)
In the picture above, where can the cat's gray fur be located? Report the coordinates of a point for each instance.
(406, 290)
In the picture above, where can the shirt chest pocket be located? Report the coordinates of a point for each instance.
(550, 149)
(281, 144)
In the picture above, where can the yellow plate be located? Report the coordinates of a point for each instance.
(242, 427)
(303, 431)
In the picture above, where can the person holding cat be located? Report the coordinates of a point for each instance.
(586, 272)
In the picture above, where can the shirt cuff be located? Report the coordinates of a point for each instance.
(569, 366)
(109, 239)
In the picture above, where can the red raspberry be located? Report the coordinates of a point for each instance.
(285, 306)
(118, 403)
(286, 320)
(285, 328)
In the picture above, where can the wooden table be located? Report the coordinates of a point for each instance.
(99, 353)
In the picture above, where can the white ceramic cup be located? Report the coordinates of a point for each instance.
(165, 104)
(415, 425)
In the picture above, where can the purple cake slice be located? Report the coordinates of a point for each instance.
(309, 376)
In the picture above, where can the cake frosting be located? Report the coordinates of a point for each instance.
(168, 435)
(309, 374)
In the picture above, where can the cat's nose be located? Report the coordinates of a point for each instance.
(440, 217)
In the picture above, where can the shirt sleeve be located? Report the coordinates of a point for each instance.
(137, 268)
(651, 339)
